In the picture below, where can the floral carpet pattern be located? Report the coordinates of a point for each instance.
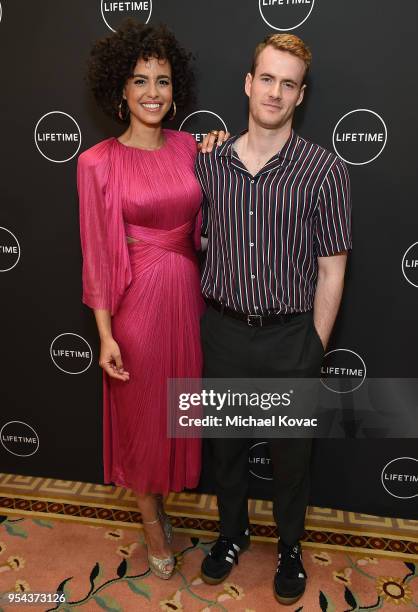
(98, 567)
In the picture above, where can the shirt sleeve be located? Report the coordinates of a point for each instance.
(332, 232)
(91, 184)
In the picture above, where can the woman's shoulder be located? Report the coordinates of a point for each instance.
(96, 155)
(182, 138)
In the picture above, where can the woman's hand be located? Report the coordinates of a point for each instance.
(111, 360)
(206, 146)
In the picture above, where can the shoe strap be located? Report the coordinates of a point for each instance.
(233, 549)
(151, 522)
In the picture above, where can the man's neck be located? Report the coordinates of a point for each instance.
(259, 144)
(265, 142)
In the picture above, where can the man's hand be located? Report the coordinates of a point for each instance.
(214, 136)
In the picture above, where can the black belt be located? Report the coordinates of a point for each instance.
(251, 319)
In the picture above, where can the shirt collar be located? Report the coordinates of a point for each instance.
(289, 150)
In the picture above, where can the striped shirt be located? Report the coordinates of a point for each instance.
(265, 232)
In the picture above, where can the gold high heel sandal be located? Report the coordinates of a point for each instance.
(165, 520)
(159, 566)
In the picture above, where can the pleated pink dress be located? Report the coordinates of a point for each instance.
(152, 289)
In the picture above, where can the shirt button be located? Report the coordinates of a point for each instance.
(251, 243)
(256, 307)
(252, 275)
(251, 212)
(252, 180)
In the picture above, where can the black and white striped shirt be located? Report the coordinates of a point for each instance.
(266, 231)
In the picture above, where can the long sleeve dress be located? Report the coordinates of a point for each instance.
(151, 288)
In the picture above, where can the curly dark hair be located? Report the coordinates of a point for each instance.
(112, 60)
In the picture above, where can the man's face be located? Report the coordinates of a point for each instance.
(276, 88)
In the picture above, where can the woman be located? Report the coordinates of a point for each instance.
(139, 218)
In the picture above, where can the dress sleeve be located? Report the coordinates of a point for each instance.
(201, 174)
(333, 218)
(92, 174)
(191, 145)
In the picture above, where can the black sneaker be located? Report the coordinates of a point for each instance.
(218, 563)
(290, 579)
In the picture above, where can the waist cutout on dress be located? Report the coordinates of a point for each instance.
(178, 239)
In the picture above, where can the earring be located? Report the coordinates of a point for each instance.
(120, 115)
(174, 113)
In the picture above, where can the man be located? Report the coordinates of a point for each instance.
(277, 213)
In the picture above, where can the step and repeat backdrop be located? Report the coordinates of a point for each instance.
(361, 103)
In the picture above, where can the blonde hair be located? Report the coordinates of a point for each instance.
(284, 42)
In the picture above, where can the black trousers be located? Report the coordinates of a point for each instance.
(233, 349)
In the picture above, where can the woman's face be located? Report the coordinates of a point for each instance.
(149, 92)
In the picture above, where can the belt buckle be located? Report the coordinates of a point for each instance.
(251, 324)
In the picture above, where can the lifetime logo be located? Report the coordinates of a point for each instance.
(19, 439)
(199, 123)
(71, 353)
(284, 2)
(55, 137)
(400, 477)
(285, 15)
(359, 137)
(110, 7)
(410, 264)
(48, 137)
(342, 371)
(113, 13)
(199, 137)
(260, 461)
(9, 250)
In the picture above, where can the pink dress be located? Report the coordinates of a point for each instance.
(152, 289)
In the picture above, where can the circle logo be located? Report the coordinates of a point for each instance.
(260, 462)
(114, 13)
(342, 371)
(400, 477)
(9, 250)
(285, 15)
(410, 264)
(57, 137)
(71, 353)
(360, 137)
(201, 122)
(19, 439)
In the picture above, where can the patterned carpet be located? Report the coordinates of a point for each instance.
(87, 539)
